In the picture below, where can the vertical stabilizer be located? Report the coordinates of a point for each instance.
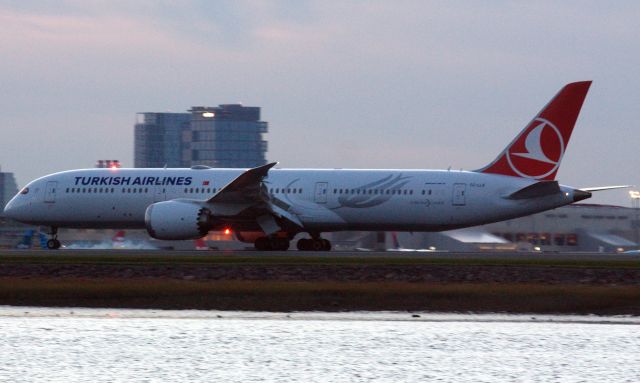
(537, 151)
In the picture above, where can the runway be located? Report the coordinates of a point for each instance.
(378, 256)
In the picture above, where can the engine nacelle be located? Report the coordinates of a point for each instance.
(177, 220)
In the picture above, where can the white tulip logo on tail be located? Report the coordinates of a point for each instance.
(538, 151)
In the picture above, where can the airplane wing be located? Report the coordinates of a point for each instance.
(246, 192)
(245, 188)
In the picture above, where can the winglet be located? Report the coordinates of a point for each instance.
(537, 151)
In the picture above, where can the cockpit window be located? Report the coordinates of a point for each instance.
(24, 191)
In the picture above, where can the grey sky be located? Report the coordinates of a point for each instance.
(365, 84)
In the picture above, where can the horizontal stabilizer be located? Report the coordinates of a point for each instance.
(600, 188)
(539, 189)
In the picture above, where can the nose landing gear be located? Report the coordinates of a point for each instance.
(53, 243)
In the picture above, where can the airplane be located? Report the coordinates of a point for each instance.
(268, 206)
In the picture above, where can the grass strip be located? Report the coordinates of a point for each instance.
(320, 296)
(222, 258)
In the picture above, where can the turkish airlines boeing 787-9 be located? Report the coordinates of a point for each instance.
(269, 206)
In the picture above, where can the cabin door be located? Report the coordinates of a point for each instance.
(459, 197)
(50, 192)
(321, 192)
(160, 193)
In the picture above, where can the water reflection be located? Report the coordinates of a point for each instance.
(155, 345)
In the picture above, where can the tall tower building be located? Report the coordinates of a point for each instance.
(158, 139)
(225, 136)
(8, 188)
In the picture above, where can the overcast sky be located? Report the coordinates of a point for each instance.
(360, 84)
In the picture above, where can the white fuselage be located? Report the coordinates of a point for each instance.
(323, 200)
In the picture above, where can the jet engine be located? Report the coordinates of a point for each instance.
(177, 220)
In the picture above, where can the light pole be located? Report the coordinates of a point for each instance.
(635, 204)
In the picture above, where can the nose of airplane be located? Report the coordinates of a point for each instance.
(14, 210)
(9, 210)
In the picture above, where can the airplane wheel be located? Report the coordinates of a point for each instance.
(303, 244)
(53, 244)
(317, 245)
(281, 244)
(262, 244)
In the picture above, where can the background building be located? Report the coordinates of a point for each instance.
(578, 227)
(226, 136)
(10, 230)
(158, 139)
(8, 188)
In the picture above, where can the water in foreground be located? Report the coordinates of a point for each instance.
(105, 345)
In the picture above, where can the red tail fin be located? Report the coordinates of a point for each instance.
(537, 151)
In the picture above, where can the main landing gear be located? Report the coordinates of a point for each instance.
(53, 243)
(315, 243)
(272, 243)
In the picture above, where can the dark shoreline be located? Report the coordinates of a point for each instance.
(329, 283)
(326, 296)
